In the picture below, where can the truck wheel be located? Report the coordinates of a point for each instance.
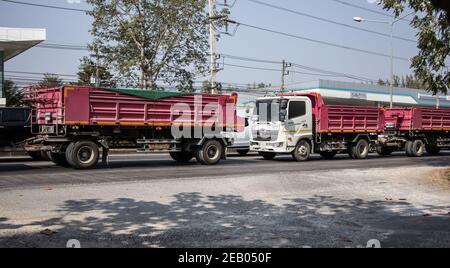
(302, 151)
(267, 155)
(328, 155)
(210, 153)
(182, 157)
(432, 149)
(417, 148)
(59, 159)
(35, 155)
(408, 148)
(384, 151)
(45, 155)
(243, 152)
(361, 149)
(82, 154)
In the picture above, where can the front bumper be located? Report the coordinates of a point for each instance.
(269, 146)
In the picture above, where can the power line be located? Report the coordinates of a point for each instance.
(321, 42)
(45, 6)
(331, 73)
(330, 21)
(276, 70)
(34, 73)
(366, 9)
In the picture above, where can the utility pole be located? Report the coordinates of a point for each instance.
(97, 69)
(284, 73)
(212, 45)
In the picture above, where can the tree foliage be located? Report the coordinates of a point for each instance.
(88, 69)
(150, 41)
(14, 96)
(51, 80)
(432, 20)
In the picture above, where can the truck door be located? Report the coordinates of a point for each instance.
(299, 121)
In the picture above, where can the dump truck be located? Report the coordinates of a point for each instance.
(416, 130)
(74, 123)
(301, 124)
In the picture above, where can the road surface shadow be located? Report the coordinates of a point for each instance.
(195, 220)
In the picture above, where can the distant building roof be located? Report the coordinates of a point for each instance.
(366, 94)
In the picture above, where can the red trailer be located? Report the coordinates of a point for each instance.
(306, 124)
(416, 130)
(73, 122)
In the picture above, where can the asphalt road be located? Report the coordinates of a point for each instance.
(150, 201)
(18, 173)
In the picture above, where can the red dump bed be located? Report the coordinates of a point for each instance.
(80, 105)
(418, 118)
(343, 119)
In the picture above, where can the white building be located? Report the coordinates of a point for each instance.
(345, 93)
(14, 41)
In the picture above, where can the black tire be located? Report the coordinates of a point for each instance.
(361, 149)
(432, 149)
(408, 148)
(82, 154)
(59, 159)
(350, 152)
(210, 153)
(267, 155)
(243, 152)
(46, 156)
(36, 155)
(302, 151)
(328, 155)
(182, 157)
(417, 148)
(384, 151)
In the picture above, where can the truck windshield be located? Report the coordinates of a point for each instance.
(268, 110)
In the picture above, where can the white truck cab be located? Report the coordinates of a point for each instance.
(280, 124)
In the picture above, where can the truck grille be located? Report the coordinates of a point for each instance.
(268, 135)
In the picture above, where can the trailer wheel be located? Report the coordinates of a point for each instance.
(384, 151)
(328, 155)
(361, 149)
(82, 154)
(432, 149)
(59, 159)
(417, 148)
(210, 153)
(182, 157)
(302, 151)
(243, 152)
(267, 155)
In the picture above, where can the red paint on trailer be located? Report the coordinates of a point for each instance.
(81, 105)
(417, 118)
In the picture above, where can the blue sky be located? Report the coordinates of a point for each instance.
(66, 27)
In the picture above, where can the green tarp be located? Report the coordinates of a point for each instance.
(148, 94)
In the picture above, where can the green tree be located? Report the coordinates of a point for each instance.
(88, 69)
(432, 20)
(146, 41)
(51, 80)
(14, 96)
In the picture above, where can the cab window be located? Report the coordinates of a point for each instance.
(297, 109)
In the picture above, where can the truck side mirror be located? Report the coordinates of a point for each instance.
(284, 104)
(283, 115)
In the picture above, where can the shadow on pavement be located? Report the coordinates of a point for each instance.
(196, 220)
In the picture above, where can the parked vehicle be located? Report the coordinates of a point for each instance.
(14, 128)
(73, 123)
(300, 124)
(416, 130)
